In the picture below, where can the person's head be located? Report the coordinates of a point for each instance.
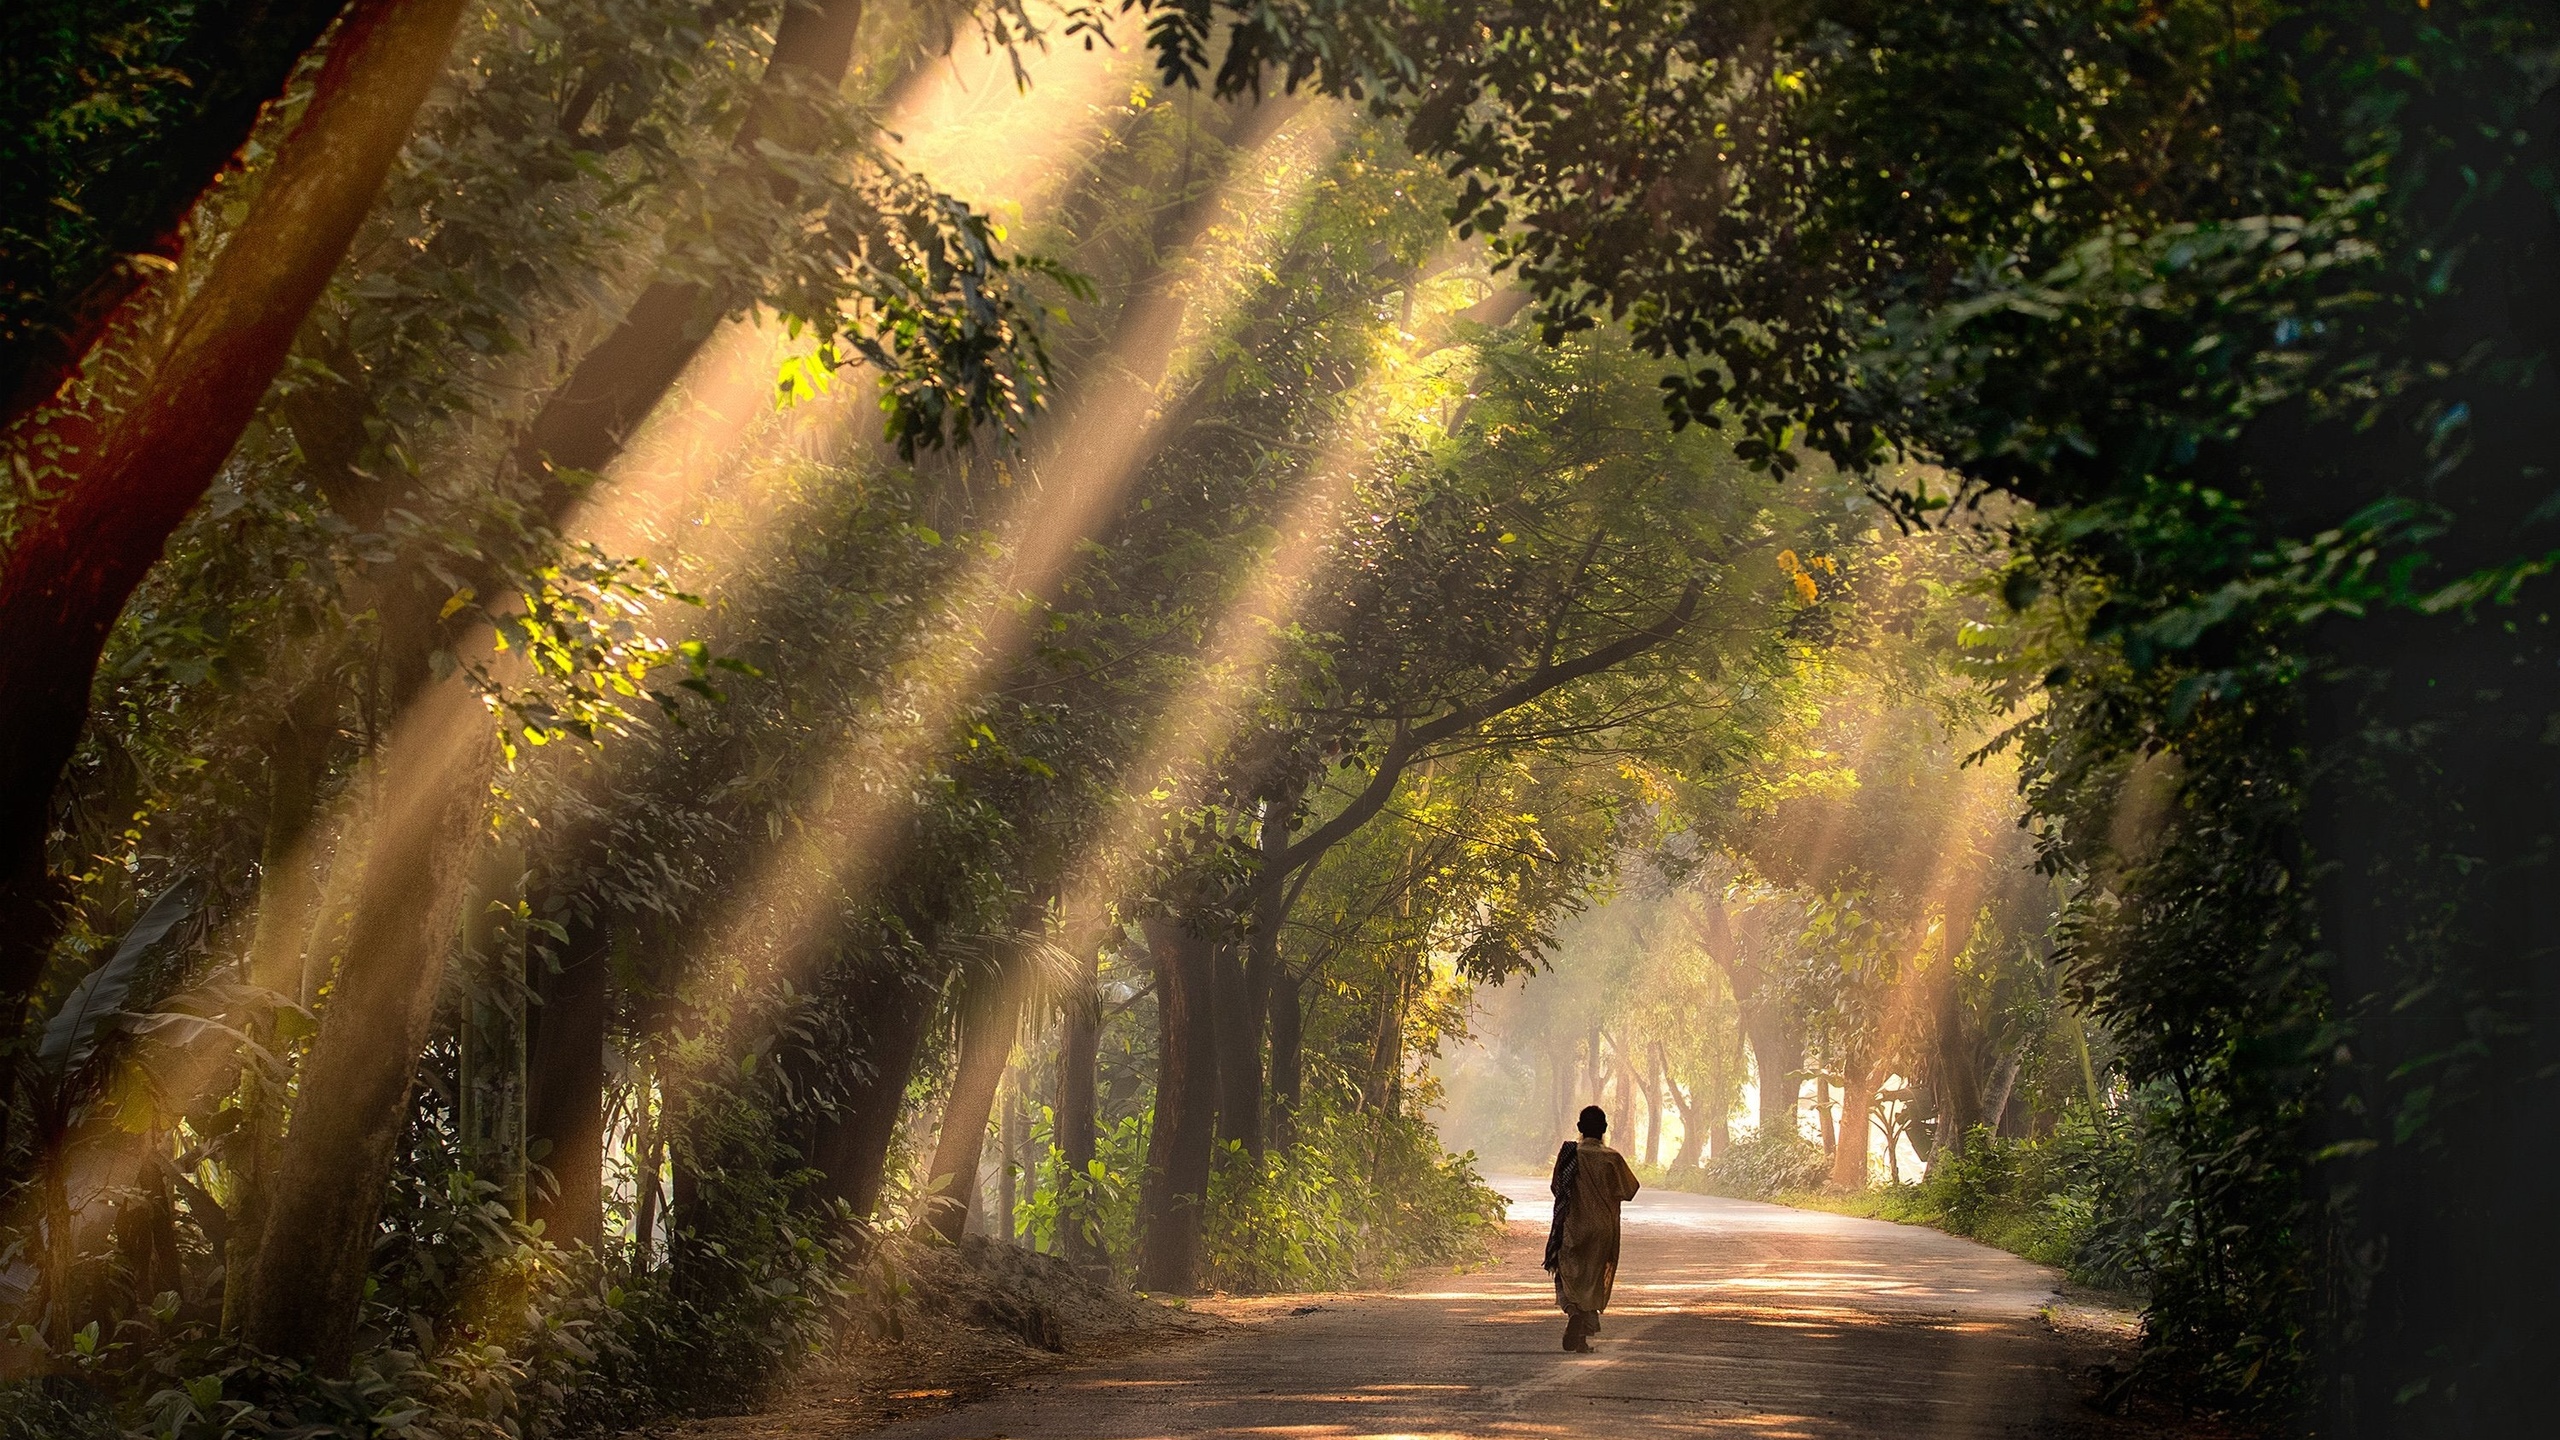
(1594, 1122)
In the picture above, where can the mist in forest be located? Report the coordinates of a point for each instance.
(681, 683)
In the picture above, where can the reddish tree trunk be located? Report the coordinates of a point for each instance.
(121, 489)
(238, 58)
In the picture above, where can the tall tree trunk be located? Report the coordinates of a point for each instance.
(1822, 1114)
(851, 1146)
(1079, 1046)
(1955, 1071)
(235, 60)
(1686, 1157)
(652, 1147)
(121, 485)
(335, 1163)
(1997, 1111)
(1653, 1105)
(1386, 1046)
(1858, 1084)
(1176, 1186)
(565, 1103)
(684, 1206)
(1239, 1025)
(288, 899)
(1288, 1055)
(1240, 1038)
(1562, 1067)
(588, 420)
(491, 1099)
(1777, 1055)
(990, 1016)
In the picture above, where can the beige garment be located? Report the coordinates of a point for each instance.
(1587, 1262)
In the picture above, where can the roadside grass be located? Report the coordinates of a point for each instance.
(2047, 1199)
(2048, 1233)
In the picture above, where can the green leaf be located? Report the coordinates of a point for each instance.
(72, 1035)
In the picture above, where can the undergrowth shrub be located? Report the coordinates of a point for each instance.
(2076, 1199)
(476, 1327)
(1763, 1167)
(1101, 1200)
(1356, 1199)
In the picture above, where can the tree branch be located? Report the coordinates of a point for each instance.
(1410, 743)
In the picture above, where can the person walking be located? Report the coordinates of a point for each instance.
(1589, 1184)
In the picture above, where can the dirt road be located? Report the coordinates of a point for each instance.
(1730, 1319)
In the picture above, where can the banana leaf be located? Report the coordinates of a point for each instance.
(72, 1036)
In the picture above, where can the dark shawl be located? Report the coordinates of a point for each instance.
(1561, 1185)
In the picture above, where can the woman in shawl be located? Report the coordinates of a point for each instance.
(1590, 1182)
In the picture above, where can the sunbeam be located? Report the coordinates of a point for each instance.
(984, 624)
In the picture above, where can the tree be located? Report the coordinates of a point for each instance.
(123, 470)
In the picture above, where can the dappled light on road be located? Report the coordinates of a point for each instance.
(1734, 1319)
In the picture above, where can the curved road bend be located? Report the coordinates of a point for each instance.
(1730, 1319)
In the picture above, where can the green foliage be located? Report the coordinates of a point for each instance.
(1100, 1202)
(55, 1407)
(2237, 296)
(1358, 1199)
(1762, 1167)
(2055, 1200)
(114, 115)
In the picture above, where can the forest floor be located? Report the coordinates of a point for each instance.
(1730, 1318)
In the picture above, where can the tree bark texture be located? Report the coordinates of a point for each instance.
(336, 1159)
(1857, 1108)
(1653, 1074)
(123, 487)
(851, 1147)
(1236, 1013)
(236, 59)
(990, 1014)
(1079, 1049)
(1288, 1055)
(288, 898)
(564, 1104)
(1777, 1054)
(1245, 1103)
(588, 420)
(1176, 1185)
(491, 1102)
(1955, 1068)
(1686, 1158)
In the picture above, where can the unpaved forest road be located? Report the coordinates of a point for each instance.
(1730, 1319)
